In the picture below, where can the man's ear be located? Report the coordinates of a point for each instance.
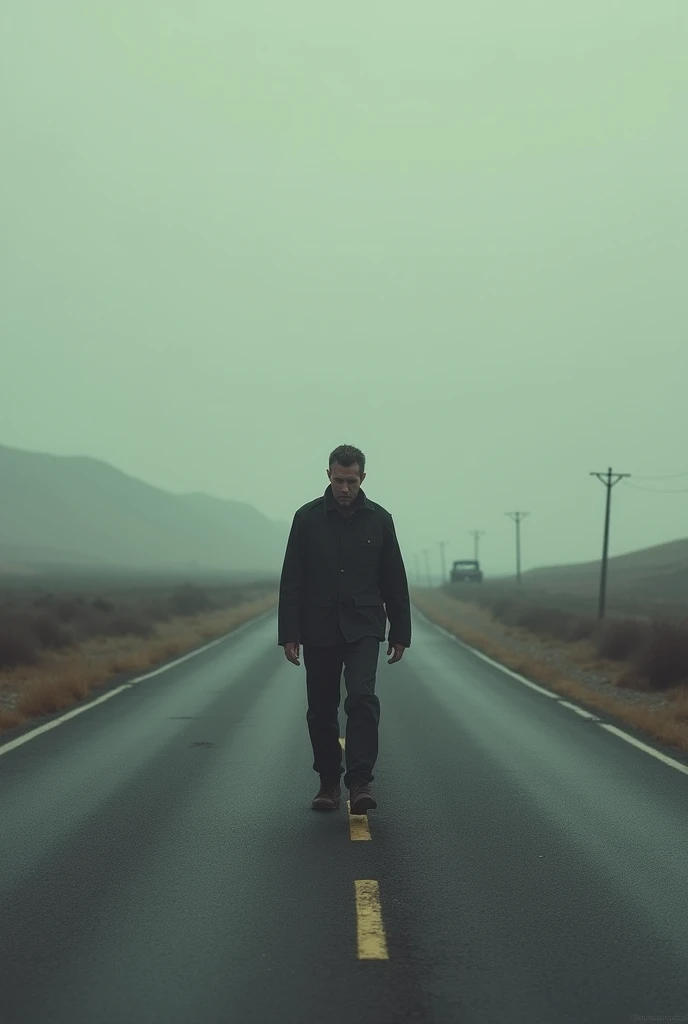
(363, 476)
(329, 474)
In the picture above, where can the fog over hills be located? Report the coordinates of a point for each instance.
(80, 511)
(659, 572)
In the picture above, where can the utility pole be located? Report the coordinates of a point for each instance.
(426, 552)
(417, 561)
(476, 534)
(609, 479)
(518, 518)
(442, 544)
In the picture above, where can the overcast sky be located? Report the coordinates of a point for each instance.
(455, 234)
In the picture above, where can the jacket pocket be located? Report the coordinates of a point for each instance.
(368, 552)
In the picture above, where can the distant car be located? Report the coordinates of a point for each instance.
(466, 571)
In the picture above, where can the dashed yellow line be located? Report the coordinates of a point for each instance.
(358, 824)
(370, 930)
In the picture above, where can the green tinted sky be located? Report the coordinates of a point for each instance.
(455, 234)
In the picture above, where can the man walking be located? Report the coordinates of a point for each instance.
(343, 577)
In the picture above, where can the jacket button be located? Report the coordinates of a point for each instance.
(341, 570)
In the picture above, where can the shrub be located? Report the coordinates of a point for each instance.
(67, 610)
(17, 646)
(662, 659)
(190, 600)
(617, 639)
(542, 619)
(101, 605)
(580, 628)
(91, 623)
(49, 632)
(502, 607)
(157, 612)
(128, 624)
(538, 619)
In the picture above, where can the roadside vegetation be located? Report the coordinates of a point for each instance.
(655, 648)
(58, 644)
(646, 654)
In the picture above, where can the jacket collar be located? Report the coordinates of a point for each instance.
(330, 505)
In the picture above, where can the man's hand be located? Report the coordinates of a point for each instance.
(398, 653)
(291, 653)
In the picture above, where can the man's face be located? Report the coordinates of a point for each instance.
(346, 483)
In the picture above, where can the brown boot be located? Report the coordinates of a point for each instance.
(361, 800)
(328, 796)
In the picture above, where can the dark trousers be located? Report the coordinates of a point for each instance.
(362, 707)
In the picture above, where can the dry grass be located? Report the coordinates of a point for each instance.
(35, 621)
(668, 725)
(654, 647)
(61, 679)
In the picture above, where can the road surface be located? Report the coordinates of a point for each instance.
(160, 864)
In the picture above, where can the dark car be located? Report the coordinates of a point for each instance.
(466, 571)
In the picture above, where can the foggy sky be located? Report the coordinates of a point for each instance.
(236, 235)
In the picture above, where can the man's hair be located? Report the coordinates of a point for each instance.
(347, 455)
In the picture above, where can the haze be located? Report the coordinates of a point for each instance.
(454, 234)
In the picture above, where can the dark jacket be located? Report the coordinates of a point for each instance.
(343, 572)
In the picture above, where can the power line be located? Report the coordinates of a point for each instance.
(476, 535)
(518, 518)
(609, 479)
(442, 544)
(666, 476)
(658, 490)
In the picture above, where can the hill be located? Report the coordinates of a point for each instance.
(77, 511)
(657, 574)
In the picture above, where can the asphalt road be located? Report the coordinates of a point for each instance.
(160, 864)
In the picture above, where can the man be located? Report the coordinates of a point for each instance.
(343, 577)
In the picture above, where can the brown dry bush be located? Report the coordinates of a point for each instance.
(10, 719)
(548, 621)
(543, 621)
(662, 658)
(67, 609)
(50, 633)
(157, 611)
(46, 695)
(39, 629)
(128, 624)
(189, 600)
(516, 608)
(617, 639)
(502, 608)
(581, 627)
(16, 647)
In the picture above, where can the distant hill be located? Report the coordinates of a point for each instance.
(80, 511)
(658, 573)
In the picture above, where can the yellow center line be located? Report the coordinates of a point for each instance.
(372, 942)
(358, 824)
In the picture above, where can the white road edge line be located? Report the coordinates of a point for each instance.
(579, 711)
(6, 747)
(664, 758)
